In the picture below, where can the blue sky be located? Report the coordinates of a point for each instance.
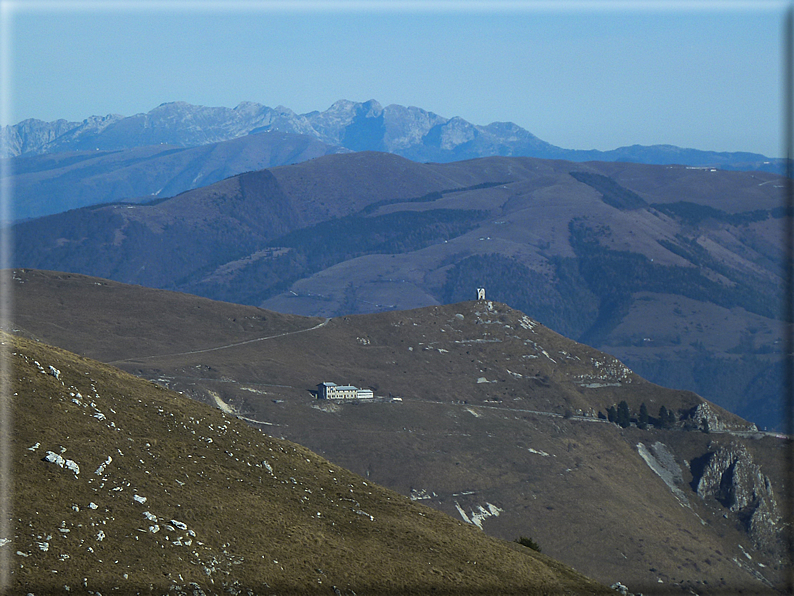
(582, 75)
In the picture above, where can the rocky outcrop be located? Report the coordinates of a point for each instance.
(730, 476)
(706, 418)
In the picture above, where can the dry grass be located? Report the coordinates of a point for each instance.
(307, 526)
(591, 502)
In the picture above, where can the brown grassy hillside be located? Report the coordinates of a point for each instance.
(155, 493)
(498, 423)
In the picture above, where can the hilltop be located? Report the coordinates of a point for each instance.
(123, 487)
(480, 412)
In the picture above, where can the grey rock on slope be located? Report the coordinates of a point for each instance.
(736, 481)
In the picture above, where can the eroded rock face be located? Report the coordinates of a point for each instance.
(662, 461)
(731, 477)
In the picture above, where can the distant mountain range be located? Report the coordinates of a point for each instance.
(407, 131)
(675, 270)
(52, 184)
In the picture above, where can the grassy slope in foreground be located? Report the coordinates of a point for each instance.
(226, 507)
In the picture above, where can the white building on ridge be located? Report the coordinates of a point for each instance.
(333, 391)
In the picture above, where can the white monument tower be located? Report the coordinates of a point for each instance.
(480, 293)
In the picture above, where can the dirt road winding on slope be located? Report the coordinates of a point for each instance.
(227, 346)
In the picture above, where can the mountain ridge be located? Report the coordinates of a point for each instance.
(410, 131)
(60, 165)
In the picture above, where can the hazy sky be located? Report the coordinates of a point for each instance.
(580, 75)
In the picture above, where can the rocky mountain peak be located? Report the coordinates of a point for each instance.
(30, 135)
(102, 121)
(511, 132)
(170, 110)
(248, 106)
(284, 111)
(371, 108)
(340, 106)
(456, 131)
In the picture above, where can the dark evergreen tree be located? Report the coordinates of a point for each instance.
(623, 417)
(528, 542)
(663, 421)
(643, 419)
(612, 414)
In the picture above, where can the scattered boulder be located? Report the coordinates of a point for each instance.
(620, 588)
(59, 460)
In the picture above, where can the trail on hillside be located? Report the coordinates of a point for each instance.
(224, 347)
